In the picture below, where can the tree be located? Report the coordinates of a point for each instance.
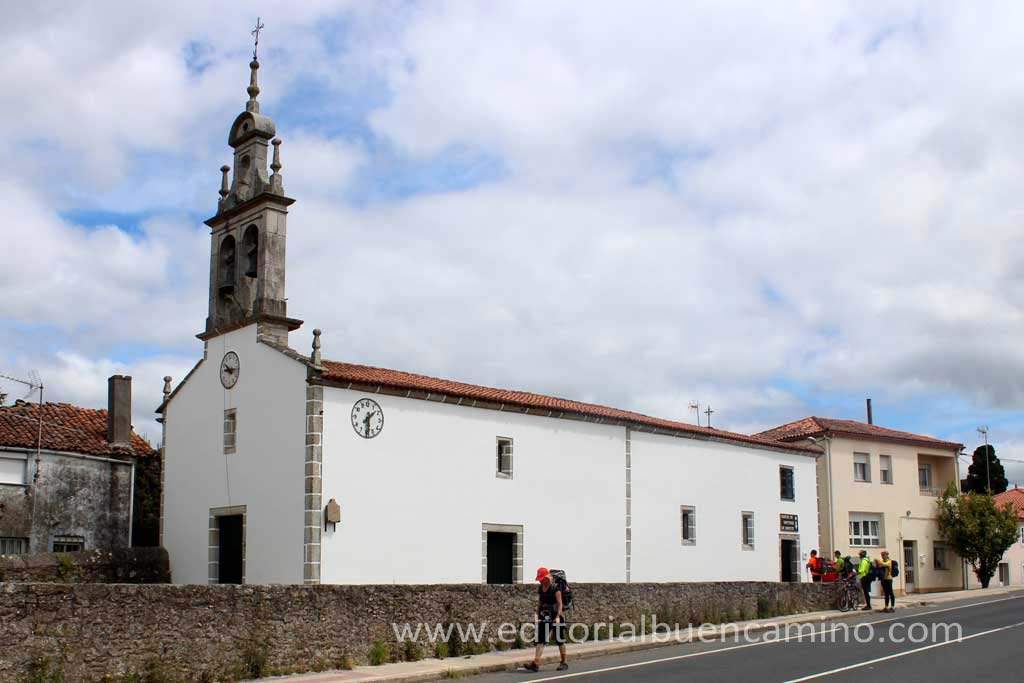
(977, 530)
(980, 471)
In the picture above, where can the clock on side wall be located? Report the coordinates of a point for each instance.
(229, 367)
(367, 418)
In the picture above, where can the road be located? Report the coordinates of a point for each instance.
(987, 648)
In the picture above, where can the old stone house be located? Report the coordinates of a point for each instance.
(286, 467)
(67, 480)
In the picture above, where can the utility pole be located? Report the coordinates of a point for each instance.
(983, 431)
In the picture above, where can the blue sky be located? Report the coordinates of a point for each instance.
(778, 213)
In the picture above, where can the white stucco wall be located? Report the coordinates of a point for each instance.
(265, 473)
(414, 499)
(720, 481)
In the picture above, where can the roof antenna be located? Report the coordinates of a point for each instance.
(695, 405)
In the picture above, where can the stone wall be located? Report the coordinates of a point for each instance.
(121, 565)
(196, 632)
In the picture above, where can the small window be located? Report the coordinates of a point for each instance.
(865, 532)
(230, 430)
(68, 544)
(924, 477)
(885, 468)
(787, 484)
(12, 471)
(688, 519)
(504, 464)
(861, 467)
(748, 530)
(941, 559)
(13, 546)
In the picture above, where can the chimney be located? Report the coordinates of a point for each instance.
(871, 419)
(119, 410)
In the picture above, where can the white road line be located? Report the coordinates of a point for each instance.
(760, 643)
(904, 654)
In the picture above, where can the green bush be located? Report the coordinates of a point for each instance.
(43, 669)
(441, 649)
(66, 570)
(255, 655)
(412, 651)
(379, 653)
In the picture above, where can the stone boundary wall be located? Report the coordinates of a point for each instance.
(199, 632)
(123, 565)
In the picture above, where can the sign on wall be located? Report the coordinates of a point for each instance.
(789, 523)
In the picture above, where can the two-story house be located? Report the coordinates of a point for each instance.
(877, 490)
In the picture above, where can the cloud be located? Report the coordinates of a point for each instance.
(776, 213)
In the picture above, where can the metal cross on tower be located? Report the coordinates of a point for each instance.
(256, 32)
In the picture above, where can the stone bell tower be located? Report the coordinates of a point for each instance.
(247, 246)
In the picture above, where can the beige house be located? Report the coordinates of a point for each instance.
(877, 490)
(1011, 569)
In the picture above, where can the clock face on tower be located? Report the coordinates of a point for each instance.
(367, 418)
(229, 367)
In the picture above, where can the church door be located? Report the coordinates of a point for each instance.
(500, 557)
(229, 555)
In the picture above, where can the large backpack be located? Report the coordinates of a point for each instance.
(562, 584)
(848, 566)
(895, 569)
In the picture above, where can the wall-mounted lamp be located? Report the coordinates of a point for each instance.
(332, 514)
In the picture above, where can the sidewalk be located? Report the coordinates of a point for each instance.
(435, 669)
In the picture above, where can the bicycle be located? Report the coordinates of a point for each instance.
(849, 598)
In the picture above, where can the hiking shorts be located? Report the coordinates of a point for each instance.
(551, 630)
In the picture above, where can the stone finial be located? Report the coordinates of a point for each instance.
(223, 183)
(167, 386)
(275, 165)
(315, 356)
(276, 180)
(253, 89)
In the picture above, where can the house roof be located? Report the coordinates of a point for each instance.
(852, 429)
(65, 428)
(443, 389)
(1014, 497)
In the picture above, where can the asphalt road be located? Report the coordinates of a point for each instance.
(873, 646)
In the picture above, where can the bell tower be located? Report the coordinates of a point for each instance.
(247, 239)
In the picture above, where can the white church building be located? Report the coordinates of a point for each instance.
(285, 467)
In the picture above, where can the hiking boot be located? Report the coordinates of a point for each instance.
(866, 609)
(531, 666)
(563, 666)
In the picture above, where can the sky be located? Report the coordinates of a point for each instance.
(774, 211)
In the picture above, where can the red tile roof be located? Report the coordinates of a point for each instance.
(1014, 497)
(65, 428)
(817, 426)
(349, 373)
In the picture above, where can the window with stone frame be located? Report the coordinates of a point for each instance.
(67, 544)
(747, 519)
(787, 483)
(688, 524)
(230, 430)
(504, 457)
(13, 546)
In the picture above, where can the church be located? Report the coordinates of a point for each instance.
(282, 466)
